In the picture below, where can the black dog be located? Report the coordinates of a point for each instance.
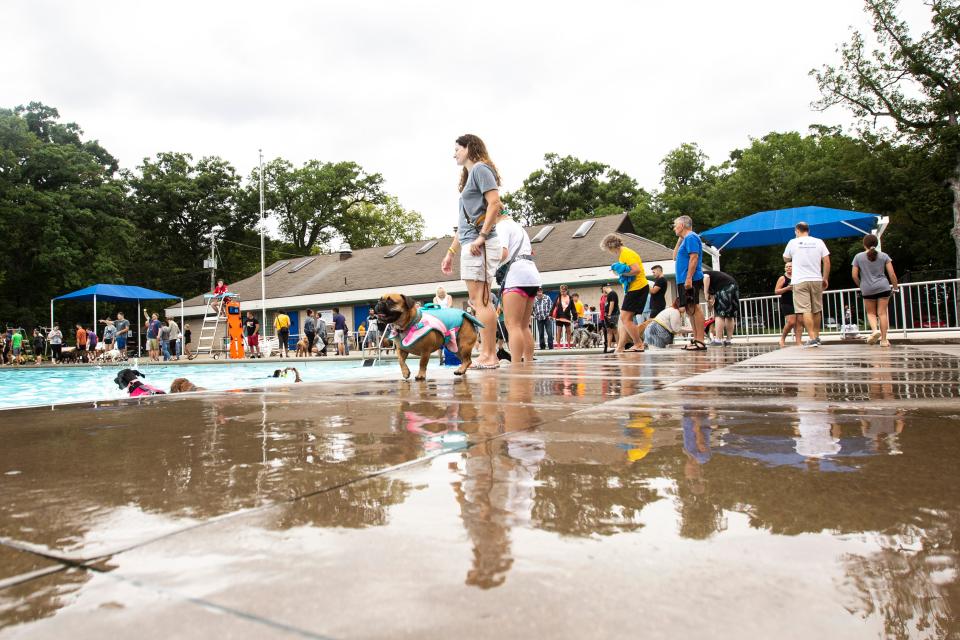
(127, 380)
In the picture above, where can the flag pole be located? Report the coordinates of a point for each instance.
(263, 282)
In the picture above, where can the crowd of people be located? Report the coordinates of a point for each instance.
(493, 248)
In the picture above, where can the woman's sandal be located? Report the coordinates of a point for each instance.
(634, 350)
(695, 345)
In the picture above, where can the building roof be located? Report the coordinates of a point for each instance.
(370, 269)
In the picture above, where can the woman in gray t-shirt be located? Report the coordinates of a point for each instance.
(873, 273)
(476, 242)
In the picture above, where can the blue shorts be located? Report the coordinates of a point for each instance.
(121, 343)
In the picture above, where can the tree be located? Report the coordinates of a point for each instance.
(312, 202)
(568, 188)
(913, 82)
(375, 225)
(176, 203)
(61, 210)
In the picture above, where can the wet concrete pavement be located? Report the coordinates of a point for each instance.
(741, 492)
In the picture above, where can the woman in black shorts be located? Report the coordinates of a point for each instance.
(785, 290)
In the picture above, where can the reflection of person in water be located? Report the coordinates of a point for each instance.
(699, 516)
(882, 427)
(815, 437)
(639, 436)
(497, 489)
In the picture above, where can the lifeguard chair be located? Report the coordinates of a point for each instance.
(217, 310)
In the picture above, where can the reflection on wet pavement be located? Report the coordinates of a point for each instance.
(543, 501)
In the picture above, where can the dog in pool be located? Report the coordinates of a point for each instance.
(127, 380)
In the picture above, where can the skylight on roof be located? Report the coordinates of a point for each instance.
(302, 264)
(272, 270)
(395, 251)
(543, 233)
(584, 229)
(427, 247)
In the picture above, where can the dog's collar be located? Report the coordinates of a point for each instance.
(412, 322)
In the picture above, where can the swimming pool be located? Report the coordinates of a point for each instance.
(27, 387)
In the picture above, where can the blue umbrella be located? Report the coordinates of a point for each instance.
(776, 227)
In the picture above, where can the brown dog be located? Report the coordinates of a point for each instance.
(302, 347)
(401, 311)
(182, 385)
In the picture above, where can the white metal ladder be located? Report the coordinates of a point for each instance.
(208, 330)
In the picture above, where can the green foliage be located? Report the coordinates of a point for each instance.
(61, 209)
(569, 189)
(312, 202)
(375, 225)
(71, 219)
(913, 82)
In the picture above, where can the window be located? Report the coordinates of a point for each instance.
(543, 233)
(427, 247)
(302, 264)
(272, 270)
(584, 229)
(395, 251)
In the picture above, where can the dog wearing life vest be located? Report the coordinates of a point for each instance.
(419, 332)
(127, 380)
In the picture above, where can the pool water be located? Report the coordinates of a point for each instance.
(27, 387)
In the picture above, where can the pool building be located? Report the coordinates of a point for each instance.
(566, 253)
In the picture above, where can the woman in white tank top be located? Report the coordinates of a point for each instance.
(519, 288)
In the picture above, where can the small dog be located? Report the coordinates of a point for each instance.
(182, 385)
(70, 355)
(127, 379)
(302, 347)
(584, 338)
(402, 312)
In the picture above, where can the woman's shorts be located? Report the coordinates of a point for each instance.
(657, 336)
(472, 267)
(635, 301)
(876, 296)
(528, 292)
(727, 302)
(786, 310)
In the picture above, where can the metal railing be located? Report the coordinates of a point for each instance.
(917, 307)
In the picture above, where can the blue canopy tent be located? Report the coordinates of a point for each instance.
(776, 227)
(117, 293)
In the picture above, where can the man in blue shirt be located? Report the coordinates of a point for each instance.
(689, 269)
(340, 331)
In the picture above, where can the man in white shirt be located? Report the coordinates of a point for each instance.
(811, 274)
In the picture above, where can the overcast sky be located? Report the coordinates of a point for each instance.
(391, 84)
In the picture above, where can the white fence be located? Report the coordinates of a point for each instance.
(917, 307)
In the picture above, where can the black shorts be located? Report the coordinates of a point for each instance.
(635, 301)
(612, 321)
(876, 296)
(690, 297)
(283, 335)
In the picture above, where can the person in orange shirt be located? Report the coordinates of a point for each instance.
(81, 338)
